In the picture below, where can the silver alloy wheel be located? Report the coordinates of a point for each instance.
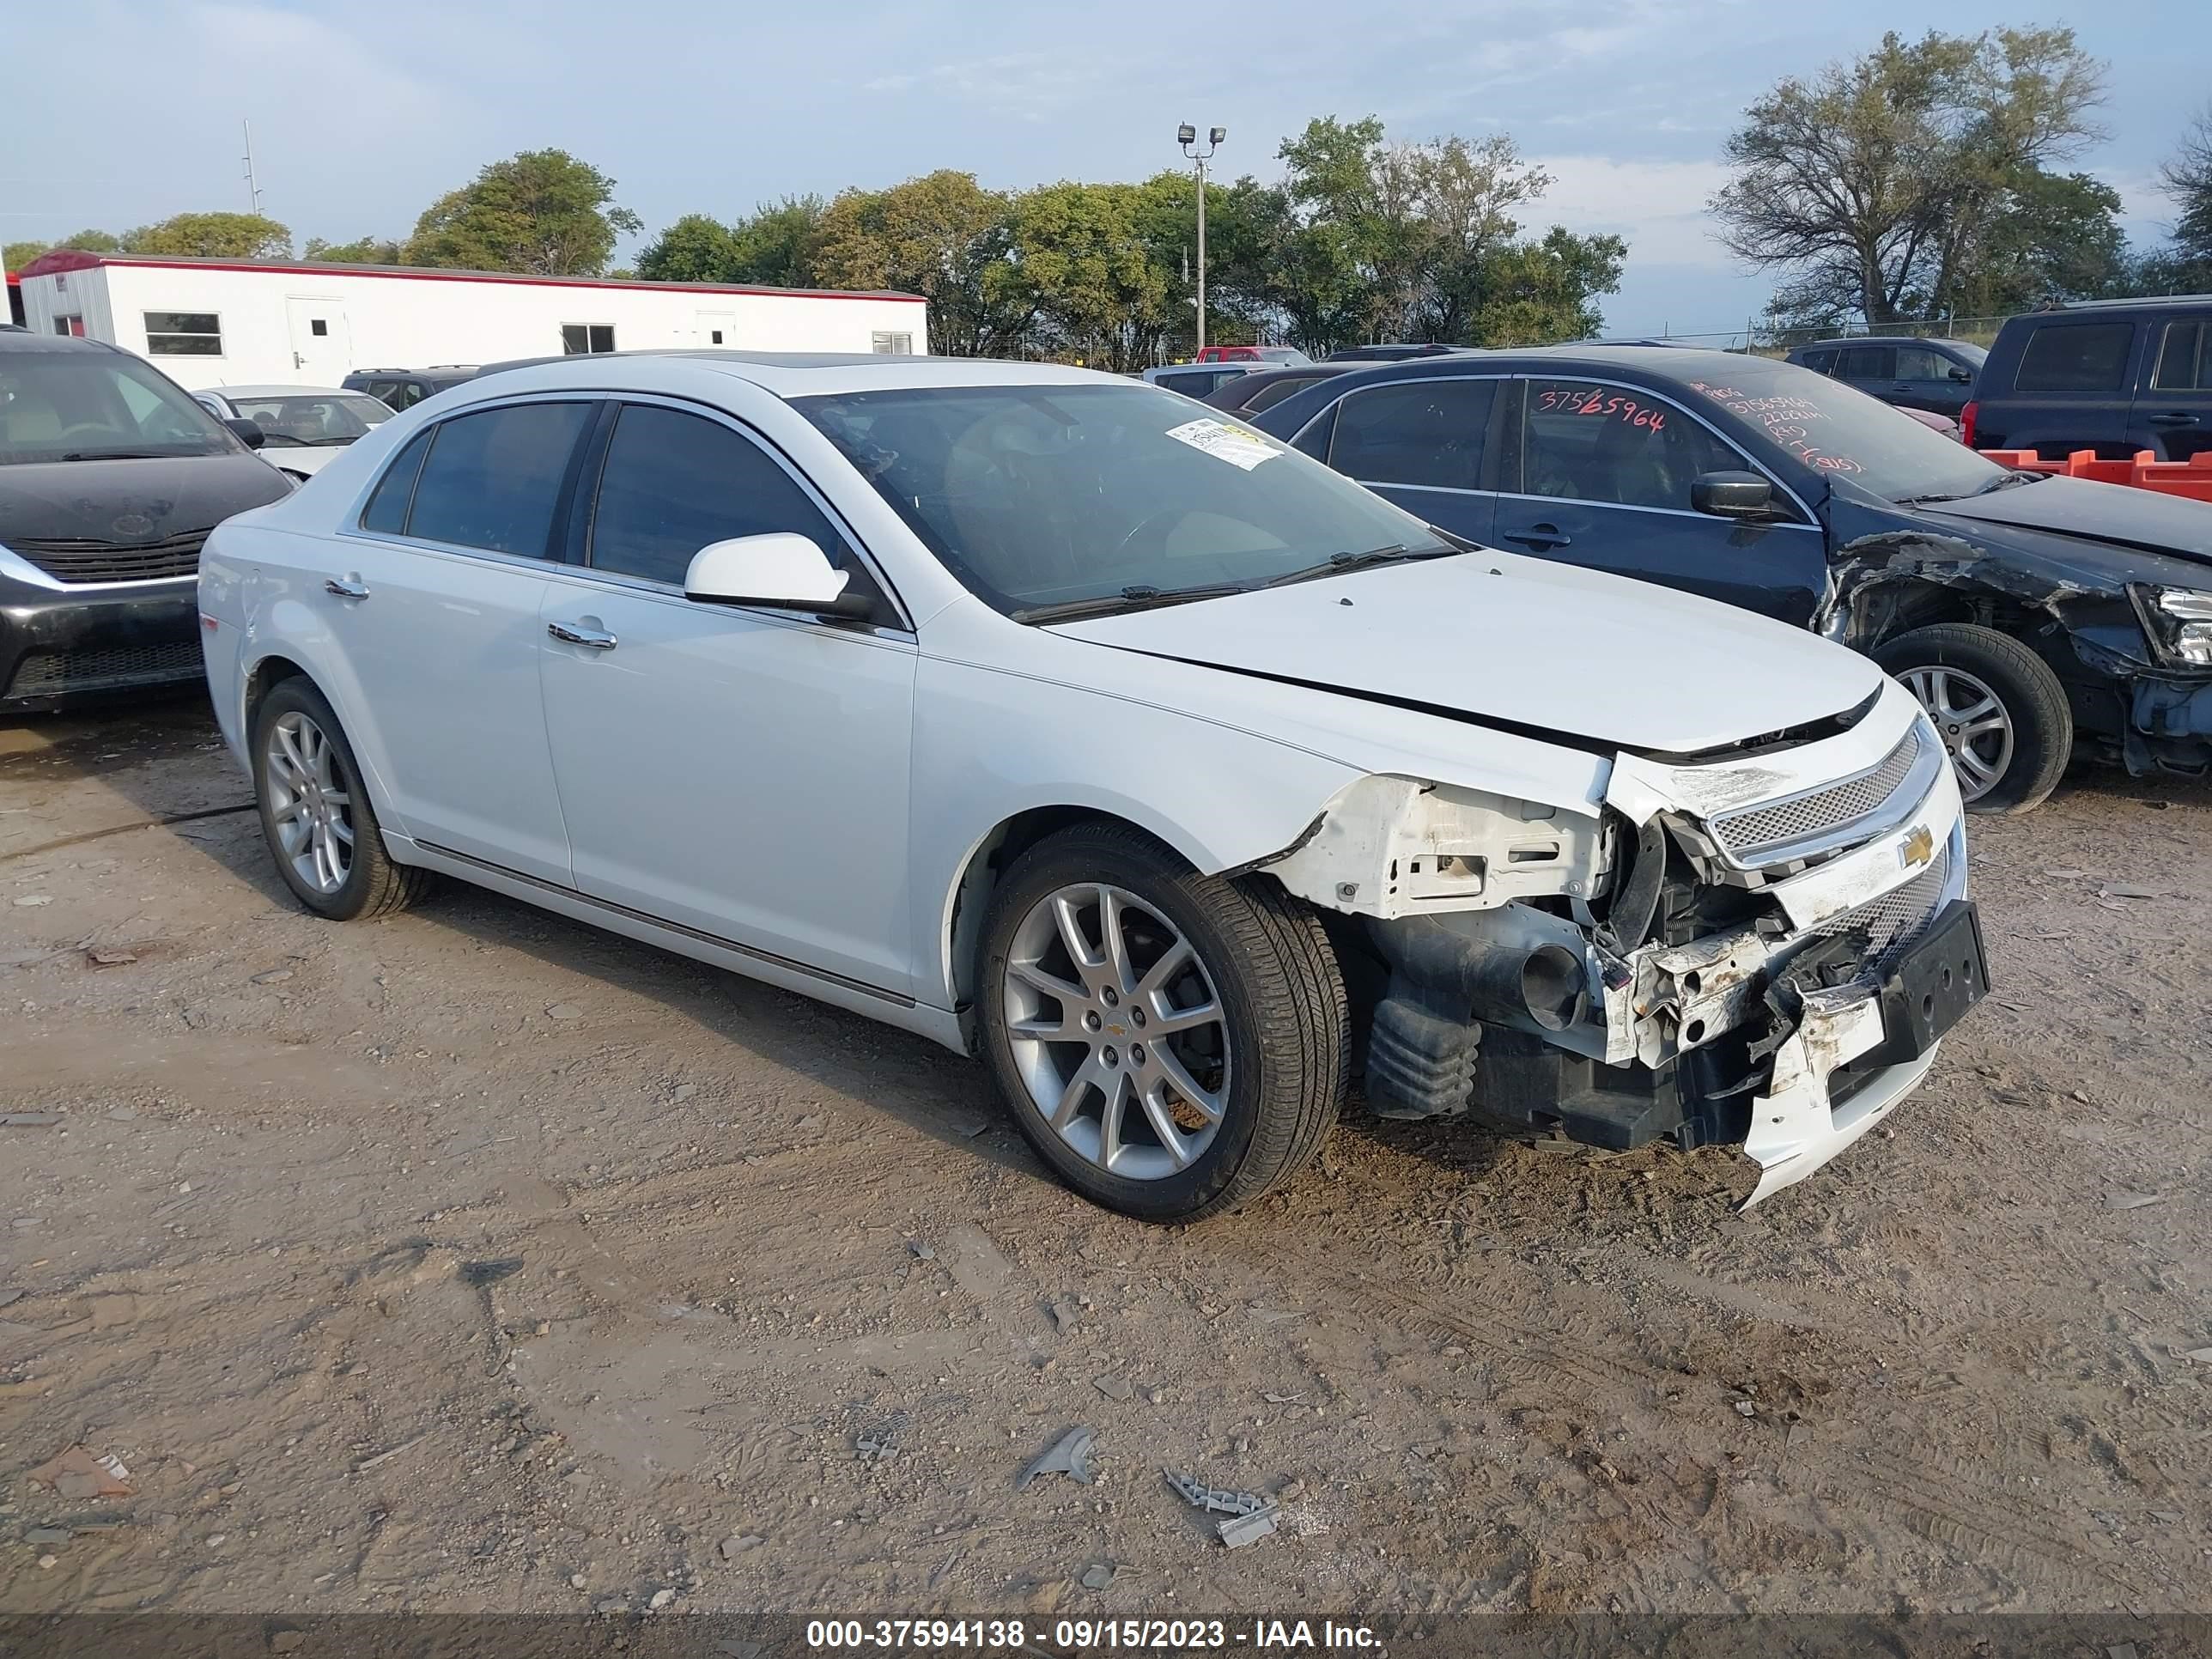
(1976, 729)
(1108, 1005)
(308, 802)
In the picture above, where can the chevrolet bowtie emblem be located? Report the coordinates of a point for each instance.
(1918, 847)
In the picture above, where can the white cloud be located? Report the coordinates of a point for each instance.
(1659, 206)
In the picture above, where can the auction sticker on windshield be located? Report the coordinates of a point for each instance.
(1233, 444)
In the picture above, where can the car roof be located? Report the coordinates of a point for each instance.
(2075, 307)
(26, 340)
(1883, 339)
(781, 374)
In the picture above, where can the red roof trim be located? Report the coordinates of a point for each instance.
(63, 259)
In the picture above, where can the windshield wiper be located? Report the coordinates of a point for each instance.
(115, 455)
(2003, 480)
(1337, 564)
(1141, 596)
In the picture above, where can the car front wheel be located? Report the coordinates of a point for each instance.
(1172, 1044)
(2001, 712)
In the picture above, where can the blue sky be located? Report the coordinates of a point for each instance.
(120, 112)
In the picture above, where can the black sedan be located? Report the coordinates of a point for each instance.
(2028, 613)
(110, 479)
(1248, 394)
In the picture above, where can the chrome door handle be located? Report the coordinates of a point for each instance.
(346, 587)
(576, 634)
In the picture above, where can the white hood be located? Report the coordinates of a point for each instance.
(1542, 646)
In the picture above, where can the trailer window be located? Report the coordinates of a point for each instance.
(584, 340)
(886, 344)
(184, 334)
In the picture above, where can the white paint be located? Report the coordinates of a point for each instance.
(801, 802)
(420, 320)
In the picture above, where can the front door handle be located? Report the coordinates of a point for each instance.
(1540, 536)
(346, 587)
(2173, 420)
(576, 634)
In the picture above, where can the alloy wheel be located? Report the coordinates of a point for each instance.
(310, 803)
(1976, 729)
(1117, 1031)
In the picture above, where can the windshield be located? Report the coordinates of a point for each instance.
(95, 406)
(318, 421)
(1045, 495)
(1825, 425)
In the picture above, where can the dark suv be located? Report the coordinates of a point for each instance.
(1937, 376)
(110, 479)
(2026, 612)
(403, 388)
(2117, 376)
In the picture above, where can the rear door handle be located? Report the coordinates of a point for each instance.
(346, 587)
(576, 634)
(2173, 420)
(1540, 536)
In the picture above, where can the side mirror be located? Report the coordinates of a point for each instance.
(780, 571)
(1733, 495)
(248, 433)
(1963, 376)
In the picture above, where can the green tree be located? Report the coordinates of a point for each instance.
(211, 236)
(942, 236)
(2057, 237)
(543, 212)
(696, 248)
(1878, 187)
(1081, 251)
(15, 255)
(365, 251)
(774, 246)
(2187, 179)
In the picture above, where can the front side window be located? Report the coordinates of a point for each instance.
(1617, 445)
(2184, 365)
(584, 340)
(492, 479)
(673, 483)
(1920, 363)
(184, 334)
(1034, 496)
(1820, 363)
(1416, 432)
(83, 405)
(2077, 357)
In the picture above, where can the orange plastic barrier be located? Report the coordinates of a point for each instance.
(2191, 478)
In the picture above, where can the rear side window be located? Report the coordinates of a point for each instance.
(1191, 386)
(1611, 445)
(1414, 432)
(1275, 391)
(387, 508)
(2076, 357)
(2184, 364)
(674, 482)
(1866, 363)
(492, 480)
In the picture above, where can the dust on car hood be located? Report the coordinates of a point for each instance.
(1520, 642)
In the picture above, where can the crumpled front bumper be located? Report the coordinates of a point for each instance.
(1794, 1127)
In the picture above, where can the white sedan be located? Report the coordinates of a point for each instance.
(301, 426)
(1167, 771)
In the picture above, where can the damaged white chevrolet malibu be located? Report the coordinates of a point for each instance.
(1051, 717)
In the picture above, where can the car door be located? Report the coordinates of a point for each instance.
(1423, 444)
(2174, 411)
(1924, 380)
(740, 772)
(1603, 473)
(434, 604)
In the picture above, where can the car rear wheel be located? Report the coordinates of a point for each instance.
(1172, 1044)
(2001, 712)
(316, 815)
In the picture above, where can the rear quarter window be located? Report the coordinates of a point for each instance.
(2077, 357)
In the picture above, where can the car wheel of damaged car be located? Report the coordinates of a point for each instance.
(1173, 1045)
(316, 814)
(2001, 712)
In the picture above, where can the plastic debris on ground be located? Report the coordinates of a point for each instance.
(1070, 1454)
(79, 1472)
(1251, 1517)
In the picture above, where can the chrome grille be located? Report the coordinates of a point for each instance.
(51, 673)
(1757, 832)
(1897, 918)
(115, 561)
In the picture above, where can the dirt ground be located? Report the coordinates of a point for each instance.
(477, 1261)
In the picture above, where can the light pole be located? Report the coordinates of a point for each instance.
(1187, 136)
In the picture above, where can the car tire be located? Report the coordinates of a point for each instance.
(1954, 662)
(297, 736)
(1262, 961)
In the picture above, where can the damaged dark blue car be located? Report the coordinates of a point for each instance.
(2032, 616)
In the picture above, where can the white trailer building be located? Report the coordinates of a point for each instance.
(211, 323)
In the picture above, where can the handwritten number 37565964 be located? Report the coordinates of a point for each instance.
(1593, 401)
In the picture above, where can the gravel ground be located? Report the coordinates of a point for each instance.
(476, 1261)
